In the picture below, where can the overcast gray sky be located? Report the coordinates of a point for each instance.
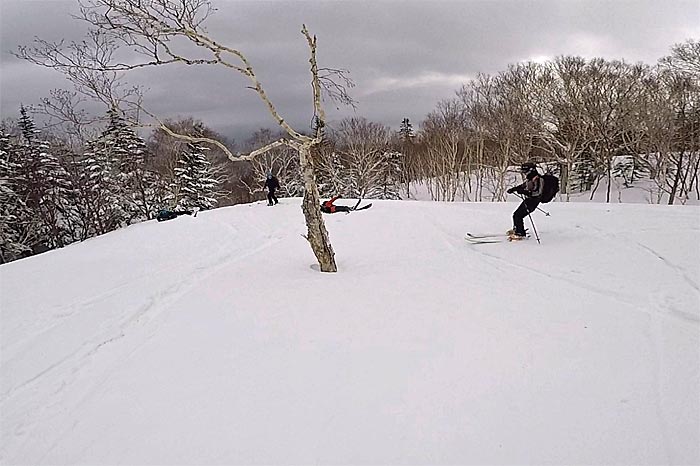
(404, 56)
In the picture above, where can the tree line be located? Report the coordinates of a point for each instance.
(357, 158)
(54, 192)
(591, 122)
(587, 120)
(52, 195)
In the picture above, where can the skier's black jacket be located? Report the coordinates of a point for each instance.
(272, 183)
(532, 187)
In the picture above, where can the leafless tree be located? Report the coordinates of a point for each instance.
(167, 32)
(684, 58)
(442, 140)
(474, 97)
(361, 145)
(680, 71)
(594, 120)
(66, 116)
(281, 161)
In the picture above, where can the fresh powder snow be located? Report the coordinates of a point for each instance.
(216, 340)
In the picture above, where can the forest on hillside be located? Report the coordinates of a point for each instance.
(586, 120)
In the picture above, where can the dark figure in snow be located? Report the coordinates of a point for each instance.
(329, 208)
(530, 191)
(272, 184)
(166, 214)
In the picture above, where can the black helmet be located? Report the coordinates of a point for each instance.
(527, 166)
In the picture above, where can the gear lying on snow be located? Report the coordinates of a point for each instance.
(166, 214)
(328, 207)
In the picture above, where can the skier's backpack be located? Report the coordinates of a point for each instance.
(551, 187)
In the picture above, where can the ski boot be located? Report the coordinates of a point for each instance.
(516, 237)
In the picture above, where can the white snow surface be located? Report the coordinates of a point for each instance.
(215, 340)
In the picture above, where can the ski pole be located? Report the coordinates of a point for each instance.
(531, 221)
(544, 212)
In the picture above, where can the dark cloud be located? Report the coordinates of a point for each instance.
(403, 56)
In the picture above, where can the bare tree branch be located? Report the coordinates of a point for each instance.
(165, 32)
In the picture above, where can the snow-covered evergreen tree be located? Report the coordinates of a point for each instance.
(628, 169)
(17, 229)
(102, 203)
(332, 177)
(44, 185)
(584, 173)
(406, 145)
(406, 134)
(126, 153)
(392, 162)
(71, 195)
(78, 215)
(195, 185)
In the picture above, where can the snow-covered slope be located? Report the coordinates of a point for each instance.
(213, 340)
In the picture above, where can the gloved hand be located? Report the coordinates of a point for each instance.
(511, 190)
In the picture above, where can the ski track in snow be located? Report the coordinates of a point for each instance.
(70, 368)
(680, 272)
(159, 300)
(656, 335)
(676, 268)
(640, 306)
(686, 321)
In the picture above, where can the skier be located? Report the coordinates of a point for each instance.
(531, 189)
(271, 183)
(329, 208)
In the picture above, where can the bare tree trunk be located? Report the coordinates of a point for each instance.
(595, 187)
(317, 234)
(609, 174)
(564, 177)
(695, 179)
(676, 178)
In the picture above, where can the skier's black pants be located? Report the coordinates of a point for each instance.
(528, 205)
(271, 198)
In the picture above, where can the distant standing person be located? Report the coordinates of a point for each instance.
(272, 184)
(532, 190)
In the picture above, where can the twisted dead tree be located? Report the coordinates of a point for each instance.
(170, 32)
